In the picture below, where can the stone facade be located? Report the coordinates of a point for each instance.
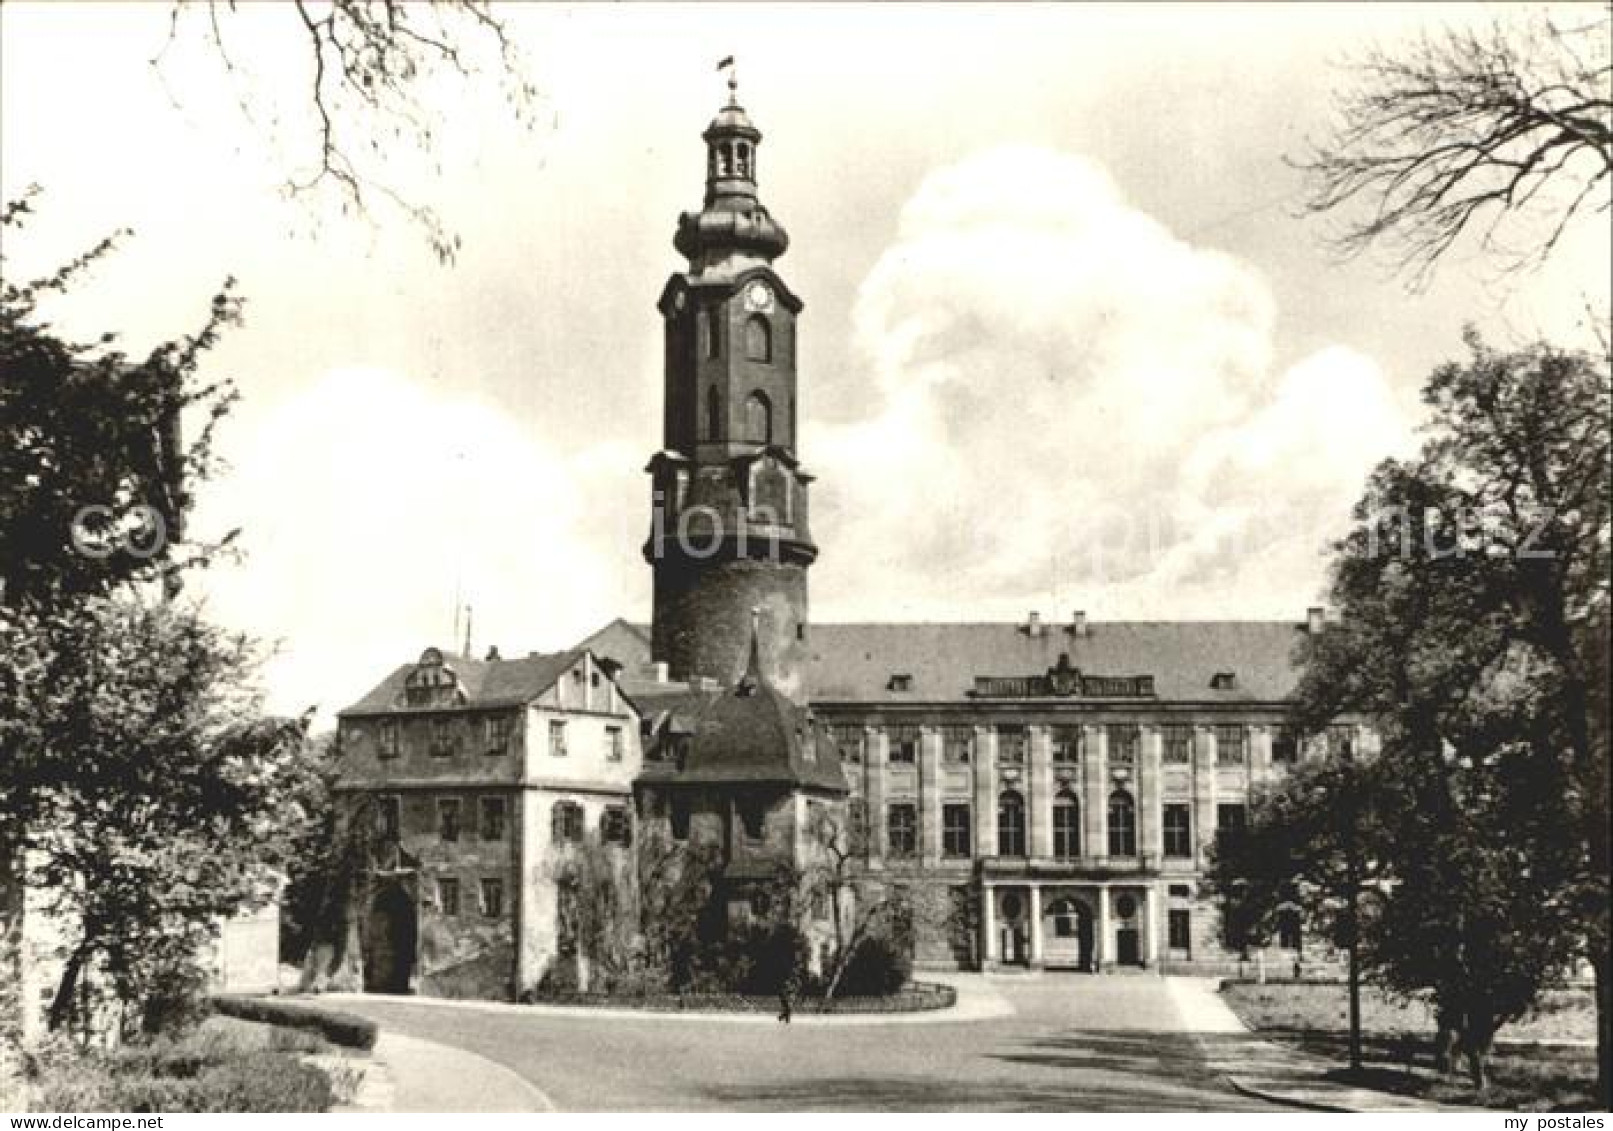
(476, 776)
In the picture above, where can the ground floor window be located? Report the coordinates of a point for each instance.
(1178, 924)
(614, 827)
(1288, 932)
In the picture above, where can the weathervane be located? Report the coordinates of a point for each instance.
(727, 64)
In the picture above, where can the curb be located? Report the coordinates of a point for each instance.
(1252, 1091)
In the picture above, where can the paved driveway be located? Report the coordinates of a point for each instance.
(1113, 1043)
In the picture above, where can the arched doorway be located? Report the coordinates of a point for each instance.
(390, 941)
(1067, 934)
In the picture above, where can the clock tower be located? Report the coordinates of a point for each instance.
(729, 542)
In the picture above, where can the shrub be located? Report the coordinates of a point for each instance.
(879, 966)
(346, 1029)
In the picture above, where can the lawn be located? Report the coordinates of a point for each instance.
(1398, 1043)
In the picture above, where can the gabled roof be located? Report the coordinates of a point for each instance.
(485, 683)
(627, 644)
(855, 662)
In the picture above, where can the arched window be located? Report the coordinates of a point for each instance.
(1122, 824)
(1010, 824)
(758, 339)
(713, 414)
(758, 419)
(1066, 826)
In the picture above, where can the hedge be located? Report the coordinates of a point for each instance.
(346, 1029)
(917, 997)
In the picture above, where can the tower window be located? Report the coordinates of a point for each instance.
(758, 418)
(758, 339)
(713, 414)
(713, 328)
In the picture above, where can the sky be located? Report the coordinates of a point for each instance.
(1069, 341)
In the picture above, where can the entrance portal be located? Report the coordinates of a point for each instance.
(389, 943)
(1067, 934)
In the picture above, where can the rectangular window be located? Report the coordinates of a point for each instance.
(1178, 831)
(448, 818)
(557, 738)
(957, 840)
(614, 744)
(444, 742)
(492, 818)
(848, 741)
(1178, 924)
(1178, 744)
(902, 829)
(387, 745)
(956, 743)
(680, 818)
(493, 898)
(1289, 935)
(1011, 745)
(448, 896)
(1284, 746)
(1066, 745)
(1124, 739)
(1229, 821)
(614, 826)
(904, 745)
(565, 822)
(496, 733)
(388, 817)
(1229, 745)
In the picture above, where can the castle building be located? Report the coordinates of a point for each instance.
(1058, 785)
(472, 778)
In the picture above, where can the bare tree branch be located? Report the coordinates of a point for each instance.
(373, 71)
(1469, 130)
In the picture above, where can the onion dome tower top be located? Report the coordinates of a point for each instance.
(733, 230)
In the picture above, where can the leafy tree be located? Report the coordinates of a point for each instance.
(1473, 588)
(93, 464)
(156, 787)
(145, 793)
(1310, 846)
(1468, 130)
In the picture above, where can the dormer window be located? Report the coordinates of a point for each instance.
(1224, 681)
(432, 683)
(899, 681)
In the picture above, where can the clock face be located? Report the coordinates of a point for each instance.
(758, 296)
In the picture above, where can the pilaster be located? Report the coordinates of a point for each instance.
(1094, 800)
(1039, 794)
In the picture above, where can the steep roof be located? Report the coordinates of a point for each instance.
(485, 683)
(856, 662)
(752, 732)
(626, 643)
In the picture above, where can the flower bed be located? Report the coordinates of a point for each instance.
(918, 997)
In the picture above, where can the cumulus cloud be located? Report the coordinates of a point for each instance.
(1072, 403)
(370, 500)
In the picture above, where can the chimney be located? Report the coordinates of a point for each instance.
(1315, 619)
(660, 670)
(1033, 624)
(492, 653)
(1078, 624)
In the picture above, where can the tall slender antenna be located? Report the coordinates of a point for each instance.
(466, 652)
